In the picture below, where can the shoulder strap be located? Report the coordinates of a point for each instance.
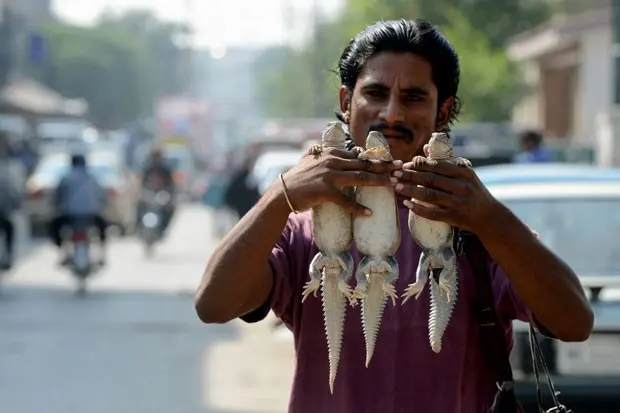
(492, 334)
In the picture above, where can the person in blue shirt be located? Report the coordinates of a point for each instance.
(533, 149)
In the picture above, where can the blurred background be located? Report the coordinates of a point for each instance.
(233, 93)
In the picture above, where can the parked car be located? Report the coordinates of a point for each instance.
(271, 163)
(576, 211)
(108, 167)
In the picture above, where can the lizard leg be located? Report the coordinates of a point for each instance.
(390, 266)
(419, 160)
(464, 162)
(316, 150)
(347, 266)
(361, 277)
(316, 274)
(415, 289)
(447, 277)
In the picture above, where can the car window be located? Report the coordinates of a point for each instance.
(583, 232)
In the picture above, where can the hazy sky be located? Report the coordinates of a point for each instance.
(230, 22)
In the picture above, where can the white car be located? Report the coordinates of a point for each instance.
(270, 164)
(576, 211)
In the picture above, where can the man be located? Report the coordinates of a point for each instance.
(533, 149)
(155, 176)
(10, 200)
(401, 78)
(79, 195)
(242, 192)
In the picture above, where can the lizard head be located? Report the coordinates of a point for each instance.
(440, 144)
(334, 134)
(378, 146)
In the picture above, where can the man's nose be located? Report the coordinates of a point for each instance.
(393, 112)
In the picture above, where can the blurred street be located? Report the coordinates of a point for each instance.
(134, 343)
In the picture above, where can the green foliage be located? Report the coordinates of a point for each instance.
(302, 84)
(120, 66)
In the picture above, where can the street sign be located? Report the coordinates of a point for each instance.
(37, 48)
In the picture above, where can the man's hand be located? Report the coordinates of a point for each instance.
(456, 194)
(317, 179)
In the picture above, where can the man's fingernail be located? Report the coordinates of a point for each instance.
(399, 187)
(393, 180)
(397, 163)
(398, 174)
(367, 212)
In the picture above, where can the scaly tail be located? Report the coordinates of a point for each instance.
(441, 308)
(373, 306)
(334, 307)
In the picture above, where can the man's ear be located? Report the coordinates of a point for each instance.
(443, 115)
(344, 96)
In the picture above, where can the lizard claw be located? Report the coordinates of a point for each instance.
(413, 290)
(347, 292)
(390, 292)
(445, 289)
(418, 160)
(311, 287)
(316, 150)
(464, 162)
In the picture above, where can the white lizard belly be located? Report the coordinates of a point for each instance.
(332, 228)
(378, 234)
(430, 235)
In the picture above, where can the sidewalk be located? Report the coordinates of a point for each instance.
(253, 374)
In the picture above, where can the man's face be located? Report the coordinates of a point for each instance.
(395, 95)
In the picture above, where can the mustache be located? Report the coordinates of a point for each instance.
(407, 134)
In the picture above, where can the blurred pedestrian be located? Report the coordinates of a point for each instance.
(533, 149)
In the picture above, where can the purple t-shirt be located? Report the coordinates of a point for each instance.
(404, 375)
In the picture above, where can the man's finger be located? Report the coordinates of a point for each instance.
(434, 213)
(377, 167)
(429, 180)
(426, 194)
(359, 178)
(350, 205)
(444, 168)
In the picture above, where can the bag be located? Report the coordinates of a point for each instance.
(493, 336)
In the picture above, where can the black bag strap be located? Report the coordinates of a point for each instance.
(492, 335)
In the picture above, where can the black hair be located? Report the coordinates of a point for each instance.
(531, 136)
(405, 36)
(78, 160)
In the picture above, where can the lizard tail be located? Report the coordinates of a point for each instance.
(334, 308)
(373, 306)
(439, 315)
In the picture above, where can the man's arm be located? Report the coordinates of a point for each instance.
(549, 288)
(238, 277)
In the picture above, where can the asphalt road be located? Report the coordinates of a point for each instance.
(134, 343)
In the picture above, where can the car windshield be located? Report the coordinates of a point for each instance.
(583, 232)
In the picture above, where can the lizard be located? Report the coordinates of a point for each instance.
(377, 237)
(436, 241)
(332, 267)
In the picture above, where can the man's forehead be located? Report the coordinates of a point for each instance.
(400, 70)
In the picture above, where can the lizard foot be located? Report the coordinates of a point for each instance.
(464, 162)
(311, 286)
(445, 288)
(418, 160)
(390, 292)
(316, 150)
(347, 292)
(413, 290)
(359, 294)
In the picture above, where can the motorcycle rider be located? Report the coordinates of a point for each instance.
(158, 176)
(79, 195)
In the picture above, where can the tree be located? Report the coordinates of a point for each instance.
(105, 67)
(304, 85)
(163, 43)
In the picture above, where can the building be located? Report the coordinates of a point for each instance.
(568, 68)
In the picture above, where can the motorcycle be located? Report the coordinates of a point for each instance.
(80, 260)
(154, 206)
